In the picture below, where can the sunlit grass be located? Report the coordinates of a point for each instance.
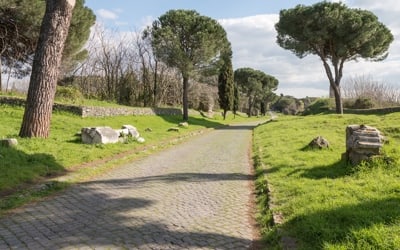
(326, 203)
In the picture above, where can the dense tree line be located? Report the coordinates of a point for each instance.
(181, 54)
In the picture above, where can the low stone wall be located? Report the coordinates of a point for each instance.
(110, 111)
(380, 111)
(12, 101)
(86, 111)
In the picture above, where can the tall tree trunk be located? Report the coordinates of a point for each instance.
(185, 98)
(155, 85)
(338, 99)
(45, 69)
(1, 73)
(335, 83)
(250, 106)
(224, 114)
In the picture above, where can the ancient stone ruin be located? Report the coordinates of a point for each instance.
(362, 143)
(99, 135)
(104, 135)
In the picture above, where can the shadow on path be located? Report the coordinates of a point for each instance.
(89, 216)
(179, 177)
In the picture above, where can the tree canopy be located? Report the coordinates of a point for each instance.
(255, 84)
(20, 22)
(188, 41)
(336, 34)
(19, 31)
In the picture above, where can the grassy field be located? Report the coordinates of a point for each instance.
(63, 154)
(317, 198)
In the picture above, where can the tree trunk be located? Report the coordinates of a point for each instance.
(1, 73)
(338, 99)
(45, 69)
(250, 106)
(335, 83)
(224, 114)
(185, 98)
(155, 85)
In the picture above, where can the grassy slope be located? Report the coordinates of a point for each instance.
(325, 203)
(62, 152)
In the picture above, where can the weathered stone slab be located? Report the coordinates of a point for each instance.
(99, 135)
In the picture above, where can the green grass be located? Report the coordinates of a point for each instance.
(326, 203)
(36, 160)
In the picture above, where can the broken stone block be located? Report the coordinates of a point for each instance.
(362, 143)
(99, 135)
(131, 131)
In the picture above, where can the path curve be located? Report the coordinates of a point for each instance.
(196, 195)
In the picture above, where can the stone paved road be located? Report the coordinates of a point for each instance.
(196, 195)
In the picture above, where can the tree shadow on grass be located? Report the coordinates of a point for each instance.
(100, 214)
(176, 119)
(19, 169)
(336, 170)
(339, 225)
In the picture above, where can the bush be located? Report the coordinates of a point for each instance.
(363, 103)
(68, 94)
(321, 105)
(289, 105)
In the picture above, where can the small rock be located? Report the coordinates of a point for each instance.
(319, 142)
(183, 124)
(148, 130)
(140, 140)
(174, 129)
(10, 142)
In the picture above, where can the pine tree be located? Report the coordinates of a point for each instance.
(42, 86)
(226, 85)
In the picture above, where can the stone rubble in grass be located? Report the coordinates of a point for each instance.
(104, 135)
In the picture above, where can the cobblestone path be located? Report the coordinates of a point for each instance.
(196, 195)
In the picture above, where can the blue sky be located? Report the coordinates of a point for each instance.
(126, 13)
(250, 29)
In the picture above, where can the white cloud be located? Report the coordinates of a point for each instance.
(107, 14)
(387, 5)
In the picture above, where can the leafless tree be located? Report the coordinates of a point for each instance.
(382, 94)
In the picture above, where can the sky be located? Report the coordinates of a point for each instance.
(250, 29)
